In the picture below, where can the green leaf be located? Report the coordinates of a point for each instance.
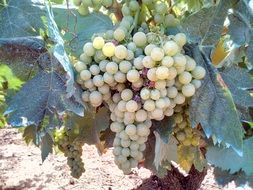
(212, 106)
(22, 55)
(91, 124)
(165, 152)
(164, 128)
(46, 146)
(44, 95)
(239, 178)
(240, 27)
(227, 159)
(21, 18)
(79, 29)
(205, 26)
(59, 51)
(29, 134)
(238, 81)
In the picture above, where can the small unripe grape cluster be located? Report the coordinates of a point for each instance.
(140, 78)
(84, 6)
(159, 10)
(72, 149)
(184, 133)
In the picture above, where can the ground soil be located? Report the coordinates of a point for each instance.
(21, 168)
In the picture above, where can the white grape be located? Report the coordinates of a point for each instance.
(98, 80)
(79, 66)
(160, 103)
(117, 151)
(116, 141)
(199, 72)
(148, 62)
(94, 69)
(131, 106)
(180, 39)
(149, 105)
(142, 147)
(138, 84)
(141, 115)
(130, 55)
(196, 83)
(190, 64)
(120, 77)
(138, 63)
(134, 145)
(130, 129)
(126, 95)
(125, 152)
(116, 97)
(104, 89)
(102, 65)
(157, 54)
(121, 52)
(171, 48)
(162, 72)
(134, 137)
(133, 75)
(179, 60)
(185, 77)
(109, 49)
(125, 143)
(108, 78)
(129, 117)
(179, 99)
(98, 42)
(160, 84)
(125, 66)
(188, 90)
(157, 113)
(120, 87)
(89, 84)
(122, 106)
(155, 94)
(168, 112)
(151, 75)
(145, 93)
(167, 61)
(116, 127)
(119, 34)
(111, 67)
(123, 135)
(149, 48)
(85, 75)
(88, 49)
(140, 39)
(172, 73)
(96, 98)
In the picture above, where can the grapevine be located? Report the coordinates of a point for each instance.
(141, 76)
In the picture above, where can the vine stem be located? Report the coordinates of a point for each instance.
(136, 19)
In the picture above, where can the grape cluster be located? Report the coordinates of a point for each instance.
(184, 133)
(140, 77)
(84, 6)
(72, 149)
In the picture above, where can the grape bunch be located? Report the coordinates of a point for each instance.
(140, 76)
(72, 149)
(84, 6)
(184, 133)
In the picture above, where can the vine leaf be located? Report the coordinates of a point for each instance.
(205, 26)
(91, 125)
(240, 27)
(239, 81)
(22, 55)
(212, 106)
(59, 51)
(44, 95)
(46, 146)
(21, 18)
(165, 152)
(227, 159)
(223, 177)
(79, 29)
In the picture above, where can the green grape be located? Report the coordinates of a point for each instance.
(134, 6)
(87, 3)
(161, 8)
(107, 3)
(77, 2)
(83, 10)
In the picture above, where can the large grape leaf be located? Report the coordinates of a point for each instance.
(79, 29)
(205, 26)
(223, 177)
(22, 55)
(212, 106)
(21, 18)
(227, 159)
(239, 81)
(240, 27)
(44, 95)
(91, 125)
(59, 50)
